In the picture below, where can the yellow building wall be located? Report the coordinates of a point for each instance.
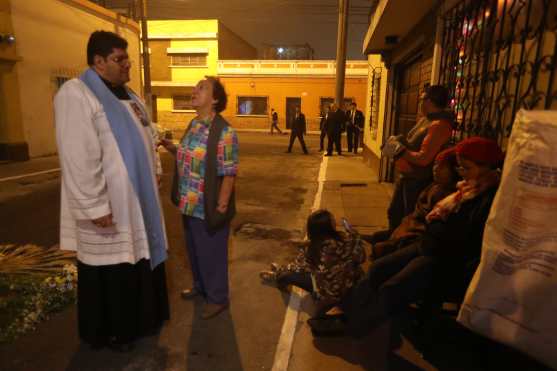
(52, 40)
(374, 144)
(11, 131)
(201, 34)
(277, 89)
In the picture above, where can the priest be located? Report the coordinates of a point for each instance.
(110, 209)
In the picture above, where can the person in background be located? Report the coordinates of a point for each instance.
(414, 154)
(334, 123)
(203, 190)
(354, 127)
(298, 130)
(323, 128)
(274, 121)
(110, 208)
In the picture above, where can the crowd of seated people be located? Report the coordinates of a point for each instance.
(450, 240)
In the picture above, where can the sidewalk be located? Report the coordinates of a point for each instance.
(350, 190)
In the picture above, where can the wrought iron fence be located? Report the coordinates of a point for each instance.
(499, 56)
(374, 104)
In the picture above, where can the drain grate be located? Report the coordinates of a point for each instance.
(353, 185)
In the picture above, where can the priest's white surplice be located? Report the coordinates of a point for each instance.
(95, 181)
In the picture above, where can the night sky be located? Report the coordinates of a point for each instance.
(276, 21)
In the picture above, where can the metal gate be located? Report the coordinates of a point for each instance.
(499, 56)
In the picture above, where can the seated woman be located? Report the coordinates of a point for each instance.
(453, 237)
(414, 225)
(331, 259)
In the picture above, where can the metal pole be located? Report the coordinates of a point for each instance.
(341, 50)
(146, 60)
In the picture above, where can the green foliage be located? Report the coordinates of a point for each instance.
(27, 299)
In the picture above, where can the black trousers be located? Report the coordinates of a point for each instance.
(121, 301)
(301, 280)
(333, 137)
(293, 135)
(349, 136)
(404, 199)
(391, 284)
(322, 139)
(274, 125)
(356, 143)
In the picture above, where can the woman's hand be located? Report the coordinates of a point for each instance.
(221, 208)
(168, 145)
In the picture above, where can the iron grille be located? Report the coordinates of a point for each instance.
(498, 56)
(374, 104)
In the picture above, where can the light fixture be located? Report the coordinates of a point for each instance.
(7, 38)
(280, 50)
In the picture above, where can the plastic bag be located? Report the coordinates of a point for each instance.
(513, 295)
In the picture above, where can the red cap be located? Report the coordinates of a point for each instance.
(480, 150)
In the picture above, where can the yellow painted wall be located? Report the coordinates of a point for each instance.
(202, 34)
(52, 40)
(310, 89)
(11, 130)
(374, 145)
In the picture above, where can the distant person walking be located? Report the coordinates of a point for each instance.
(274, 121)
(298, 130)
(354, 128)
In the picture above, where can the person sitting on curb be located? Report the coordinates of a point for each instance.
(413, 226)
(452, 239)
(328, 266)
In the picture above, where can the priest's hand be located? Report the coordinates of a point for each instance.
(104, 221)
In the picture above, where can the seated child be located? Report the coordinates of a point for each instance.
(329, 264)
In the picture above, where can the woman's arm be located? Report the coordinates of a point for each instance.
(225, 193)
(437, 135)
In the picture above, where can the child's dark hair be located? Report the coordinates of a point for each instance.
(320, 228)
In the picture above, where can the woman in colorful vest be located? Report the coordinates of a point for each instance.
(203, 190)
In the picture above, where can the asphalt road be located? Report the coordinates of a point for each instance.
(275, 191)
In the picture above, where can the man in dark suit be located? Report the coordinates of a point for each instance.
(335, 121)
(323, 128)
(355, 126)
(298, 130)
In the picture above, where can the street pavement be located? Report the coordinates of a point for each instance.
(275, 191)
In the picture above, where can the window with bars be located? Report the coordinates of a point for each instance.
(188, 59)
(252, 106)
(182, 102)
(498, 57)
